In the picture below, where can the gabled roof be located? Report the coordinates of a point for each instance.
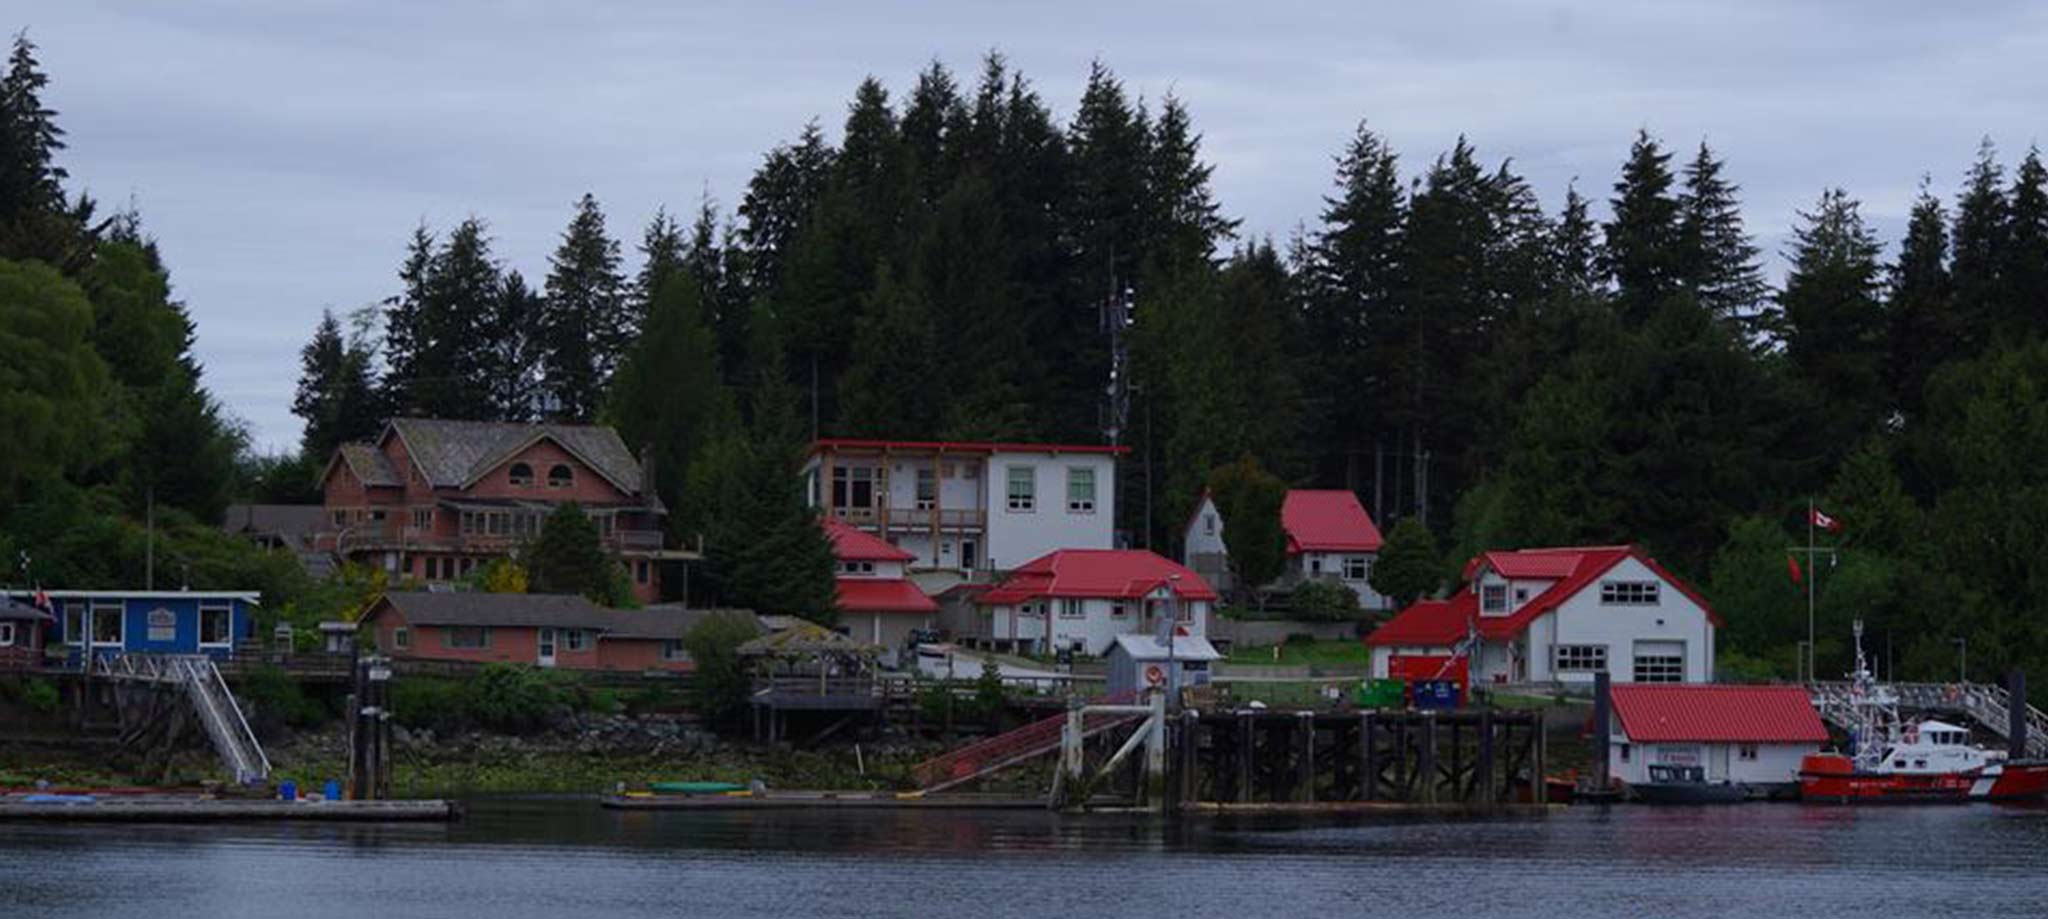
(852, 544)
(882, 595)
(1117, 574)
(454, 454)
(368, 464)
(1651, 713)
(1570, 570)
(958, 446)
(1327, 521)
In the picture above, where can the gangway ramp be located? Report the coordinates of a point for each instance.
(1987, 704)
(993, 754)
(200, 680)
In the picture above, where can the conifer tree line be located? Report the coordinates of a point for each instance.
(1485, 372)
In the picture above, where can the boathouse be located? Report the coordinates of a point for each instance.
(1748, 735)
(159, 621)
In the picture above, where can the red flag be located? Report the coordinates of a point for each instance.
(1793, 564)
(1826, 522)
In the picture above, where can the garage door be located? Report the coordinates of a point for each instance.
(1660, 662)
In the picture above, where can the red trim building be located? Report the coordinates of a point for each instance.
(1559, 615)
(1750, 735)
(877, 604)
(1085, 598)
(1330, 537)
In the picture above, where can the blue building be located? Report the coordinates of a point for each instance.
(162, 621)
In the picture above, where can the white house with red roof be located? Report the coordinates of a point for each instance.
(1559, 616)
(1749, 735)
(960, 507)
(1085, 598)
(1329, 537)
(877, 604)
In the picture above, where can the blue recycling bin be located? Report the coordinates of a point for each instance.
(1436, 694)
(333, 790)
(288, 790)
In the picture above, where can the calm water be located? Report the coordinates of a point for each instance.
(566, 860)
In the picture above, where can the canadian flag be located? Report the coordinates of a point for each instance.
(1825, 522)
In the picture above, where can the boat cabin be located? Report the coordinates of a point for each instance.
(1930, 747)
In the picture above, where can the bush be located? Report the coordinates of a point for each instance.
(1326, 601)
(722, 685)
(40, 695)
(515, 697)
(274, 694)
(989, 691)
(427, 702)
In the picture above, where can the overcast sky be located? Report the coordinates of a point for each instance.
(282, 152)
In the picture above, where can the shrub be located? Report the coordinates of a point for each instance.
(274, 694)
(722, 685)
(40, 695)
(515, 697)
(427, 702)
(989, 691)
(1326, 601)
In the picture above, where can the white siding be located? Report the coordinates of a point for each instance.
(1095, 631)
(1017, 537)
(1584, 620)
(1775, 763)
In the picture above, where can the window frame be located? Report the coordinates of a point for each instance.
(73, 613)
(449, 636)
(1661, 668)
(576, 640)
(566, 479)
(1631, 593)
(1363, 567)
(672, 650)
(221, 608)
(1746, 753)
(925, 493)
(845, 483)
(1073, 608)
(517, 480)
(401, 638)
(1578, 658)
(1024, 501)
(6, 634)
(1493, 599)
(1075, 476)
(119, 611)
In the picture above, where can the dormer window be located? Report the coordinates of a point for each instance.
(1493, 598)
(520, 474)
(560, 476)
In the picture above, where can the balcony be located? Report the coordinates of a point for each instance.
(913, 518)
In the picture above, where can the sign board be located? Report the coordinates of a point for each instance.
(1678, 756)
(379, 674)
(163, 625)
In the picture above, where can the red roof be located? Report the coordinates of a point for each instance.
(1126, 574)
(883, 595)
(1443, 622)
(959, 446)
(1650, 713)
(1327, 521)
(852, 544)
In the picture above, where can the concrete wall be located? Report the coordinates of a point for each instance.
(1247, 633)
(1775, 763)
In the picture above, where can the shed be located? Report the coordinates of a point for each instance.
(1138, 662)
(1749, 735)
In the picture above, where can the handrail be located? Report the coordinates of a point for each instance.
(1041, 736)
(1986, 703)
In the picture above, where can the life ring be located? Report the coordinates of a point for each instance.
(1154, 674)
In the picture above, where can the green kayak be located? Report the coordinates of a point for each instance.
(694, 788)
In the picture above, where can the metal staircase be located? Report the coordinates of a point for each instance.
(1989, 705)
(215, 704)
(958, 767)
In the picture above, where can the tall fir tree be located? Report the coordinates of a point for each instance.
(778, 205)
(1645, 256)
(1921, 310)
(2024, 272)
(1719, 263)
(1352, 272)
(669, 397)
(890, 385)
(1979, 249)
(31, 179)
(585, 323)
(509, 359)
(1835, 323)
(337, 396)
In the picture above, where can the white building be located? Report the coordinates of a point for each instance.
(1559, 616)
(877, 604)
(1330, 537)
(1749, 735)
(965, 507)
(1085, 598)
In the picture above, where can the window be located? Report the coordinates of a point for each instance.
(6, 634)
(1022, 489)
(968, 554)
(340, 518)
(642, 571)
(856, 567)
(576, 640)
(1357, 568)
(107, 625)
(422, 518)
(1521, 595)
(1073, 608)
(970, 471)
(520, 474)
(1080, 490)
(927, 489)
(1660, 668)
(1315, 565)
(1582, 658)
(216, 624)
(1119, 610)
(377, 515)
(74, 622)
(1624, 753)
(1628, 593)
(468, 637)
(559, 476)
(401, 638)
(1183, 611)
(1746, 752)
(672, 650)
(1209, 524)
(853, 486)
(1493, 598)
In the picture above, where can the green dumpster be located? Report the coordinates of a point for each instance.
(1382, 694)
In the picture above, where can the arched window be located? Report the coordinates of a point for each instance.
(521, 474)
(560, 476)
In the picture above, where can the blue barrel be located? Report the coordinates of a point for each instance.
(333, 790)
(1436, 694)
(288, 790)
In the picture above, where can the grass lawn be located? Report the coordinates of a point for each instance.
(1302, 653)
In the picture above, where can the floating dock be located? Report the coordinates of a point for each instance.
(822, 800)
(176, 809)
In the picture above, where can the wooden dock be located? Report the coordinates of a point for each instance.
(822, 800)
(177, 809)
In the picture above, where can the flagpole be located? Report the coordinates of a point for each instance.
(1812, 572)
